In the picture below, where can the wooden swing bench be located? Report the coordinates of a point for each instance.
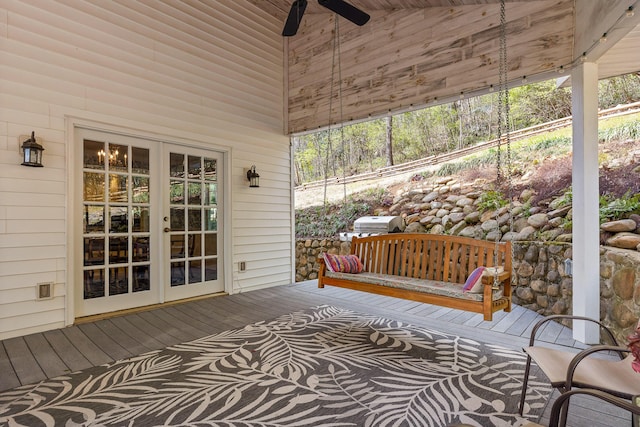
(429, 268)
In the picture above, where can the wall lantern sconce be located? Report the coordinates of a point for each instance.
(32, 152)
(253, 177)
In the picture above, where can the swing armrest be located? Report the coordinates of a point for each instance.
(502, 277)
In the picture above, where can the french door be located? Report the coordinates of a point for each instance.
(150, 223)
(191, 222)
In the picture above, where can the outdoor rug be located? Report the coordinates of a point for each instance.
(324, 366)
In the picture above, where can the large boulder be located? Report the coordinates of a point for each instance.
(624, 240)
(538, 220)
(619, 226)
(415, 227)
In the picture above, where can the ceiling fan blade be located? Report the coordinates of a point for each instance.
(293, 20)
(346, 10)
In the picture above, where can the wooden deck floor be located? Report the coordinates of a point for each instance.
(33, 358)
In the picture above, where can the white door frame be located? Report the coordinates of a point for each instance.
(153, 133)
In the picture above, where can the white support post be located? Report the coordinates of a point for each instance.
(586, 226)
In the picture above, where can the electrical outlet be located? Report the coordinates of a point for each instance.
(242, 266)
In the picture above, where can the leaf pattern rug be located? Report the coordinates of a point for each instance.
(325, 366)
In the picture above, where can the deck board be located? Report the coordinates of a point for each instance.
(67, 351)
(88, 348)
(122, 336)
(25, 366)
(45, 355)
(36, 357)
(9, 379)
(143, 338)
(179, 331)
(110, 346)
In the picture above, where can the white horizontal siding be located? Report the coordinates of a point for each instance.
(208, 72)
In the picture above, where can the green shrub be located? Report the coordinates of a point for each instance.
(566, 200)
(614, 209)
(491, 200)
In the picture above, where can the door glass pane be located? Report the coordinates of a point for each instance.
(176, 165)
(140, 249)
(195, 167)
(211, 244)
(177, 246)
(210, 193)
(195, 271)
(177, 273)
(140, 160)
(141, 278)
(118, 280)
(195, 193)
(177, 219)
(94, 251)
(140, 219)
(93, 154)
(118, 158)
(118, 250)
(195, 245)
(93, 187)
(176, 195)
(118, 188)
(210, 172)
(211, 269)
(210, 219)
(93, 284)
(140, 189)
(118, 219)
(195, 219)
(93, 219)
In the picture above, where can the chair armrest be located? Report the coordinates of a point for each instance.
(573, 365)
(554, 420)
(569, 316)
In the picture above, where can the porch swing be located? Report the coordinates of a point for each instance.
(450, 271)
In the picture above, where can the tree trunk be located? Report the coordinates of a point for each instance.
(389, 141)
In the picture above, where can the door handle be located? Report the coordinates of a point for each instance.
(167, 229)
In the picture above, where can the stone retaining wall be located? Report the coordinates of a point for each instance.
(542, 282)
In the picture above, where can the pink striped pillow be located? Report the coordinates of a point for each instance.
(474, 281)
(342, 263)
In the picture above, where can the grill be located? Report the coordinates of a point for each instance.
(374, 225)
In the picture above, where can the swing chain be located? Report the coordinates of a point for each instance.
(336, 49)
(503, 130)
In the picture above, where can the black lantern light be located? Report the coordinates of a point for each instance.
(253, 177)
(32, 152)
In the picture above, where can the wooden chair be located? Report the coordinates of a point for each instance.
(567, 370)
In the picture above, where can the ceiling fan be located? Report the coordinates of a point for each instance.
(340, 7)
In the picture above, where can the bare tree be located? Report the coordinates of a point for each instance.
(389, 140)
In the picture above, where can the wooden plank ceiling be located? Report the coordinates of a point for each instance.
(414, 53)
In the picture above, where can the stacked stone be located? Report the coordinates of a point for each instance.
(448, 207)
(308, 251)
